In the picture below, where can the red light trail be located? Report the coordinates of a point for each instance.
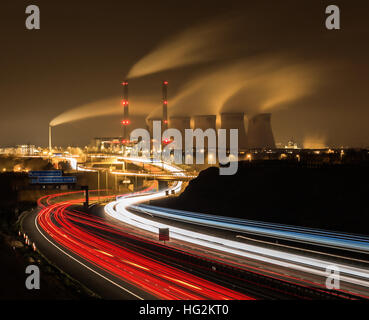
(83, 235)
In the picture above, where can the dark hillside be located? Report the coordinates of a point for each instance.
(327, 196)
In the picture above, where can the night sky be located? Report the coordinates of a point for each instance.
(251, 56)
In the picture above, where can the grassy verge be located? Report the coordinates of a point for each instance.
(56, 283)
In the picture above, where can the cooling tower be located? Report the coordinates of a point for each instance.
(180, 123)
(260, 134)
(204, 122)
(235, 121)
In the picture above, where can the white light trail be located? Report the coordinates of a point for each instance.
(119, 210)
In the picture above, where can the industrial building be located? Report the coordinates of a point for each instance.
(260, 134)
(181, 124)
(204, 122)
(235, 121)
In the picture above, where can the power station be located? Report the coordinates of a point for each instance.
(259, 134)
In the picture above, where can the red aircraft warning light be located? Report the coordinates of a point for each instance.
(125, 122)
(167, 141)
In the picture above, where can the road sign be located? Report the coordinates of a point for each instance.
(45, 173)
(56, 180)
(163, 234)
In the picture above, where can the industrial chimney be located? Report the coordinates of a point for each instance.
(50, 145)
(260, 134)
(235, 121)
(165, 105)
(125, 122)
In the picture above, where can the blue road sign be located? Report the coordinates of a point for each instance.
(56, 180)
(45, 173)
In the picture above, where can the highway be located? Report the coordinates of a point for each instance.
(98, 280)
(111, 254)
(337, 240)
(353, 278)
(169, 172)
(120, 262)
(299, 265)
(94, 244)
(118, 255)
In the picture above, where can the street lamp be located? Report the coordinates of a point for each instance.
(107, 181)
(98, 185)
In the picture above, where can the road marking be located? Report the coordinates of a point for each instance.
(301, 249)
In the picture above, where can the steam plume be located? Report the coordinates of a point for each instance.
(250, 86)
(197, 44)
(105, 107)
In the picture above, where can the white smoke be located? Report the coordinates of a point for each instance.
(104, 107)
(249, 85)
(195, 45)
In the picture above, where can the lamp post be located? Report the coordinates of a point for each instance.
(98, 185)
(115, 180)
(107, 181)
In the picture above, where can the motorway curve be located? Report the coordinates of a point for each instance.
(101, 248)
(120, 257)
